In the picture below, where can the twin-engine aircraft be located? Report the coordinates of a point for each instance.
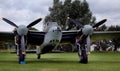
(50, 38)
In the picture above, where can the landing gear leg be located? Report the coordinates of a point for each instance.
(83, 56)
(38, 56)
(17, 50)
(22, 47)
(21, 57)
(79, 50)
(38, 52)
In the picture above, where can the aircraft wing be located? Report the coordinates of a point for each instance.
(33, 37)
(7, 36)
(37, 38)
(105, 35)
(69, 36)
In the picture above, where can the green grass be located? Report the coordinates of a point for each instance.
(98, 61)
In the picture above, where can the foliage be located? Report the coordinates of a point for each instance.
(114, 28)
(101, 28)
(77, 9)
(108, 28)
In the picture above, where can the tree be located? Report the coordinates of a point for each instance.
(77, 9)
(55, 12)
(114, 28)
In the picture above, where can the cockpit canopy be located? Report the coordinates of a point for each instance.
(49, 24)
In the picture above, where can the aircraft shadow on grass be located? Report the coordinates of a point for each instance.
(53, 60)
(58, 61)
(105, 62)
(8, 62)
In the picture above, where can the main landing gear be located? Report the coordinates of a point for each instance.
(82, 54)
(38, 52)
(21, 57)
(21, 47)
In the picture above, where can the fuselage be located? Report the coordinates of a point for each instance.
(52, 37)
(54, 34)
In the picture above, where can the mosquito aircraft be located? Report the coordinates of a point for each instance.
(50, 38)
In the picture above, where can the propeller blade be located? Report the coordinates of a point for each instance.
(88, 43)
(10, 22)
(75, 22)
(22, 43)
(100, 23)
(34, 22)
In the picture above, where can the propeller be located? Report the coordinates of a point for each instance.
(22, 30)
(30, 25)
(87, 30)
(80, 25)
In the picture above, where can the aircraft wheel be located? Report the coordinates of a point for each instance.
(38, 56)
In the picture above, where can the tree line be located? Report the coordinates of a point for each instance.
(108, 28)
(78, 10)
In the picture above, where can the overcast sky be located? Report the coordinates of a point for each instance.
(26, 11)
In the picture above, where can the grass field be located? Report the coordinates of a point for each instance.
(100, 61)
